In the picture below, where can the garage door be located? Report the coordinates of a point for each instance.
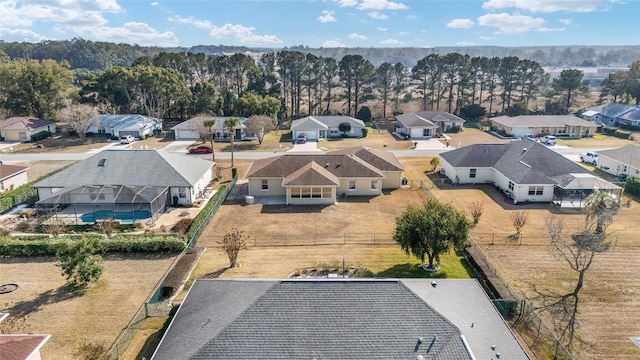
(122, 134)
(311, 135)
(186, 134)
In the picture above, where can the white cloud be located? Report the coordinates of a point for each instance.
(376, 15)
(510, 24)
(347, 3)
(327, 16)
(383, 29)
(465, 43)
(460, 24)
(544, 29)
(243, 34)
(403, 33)
(357, 36)
(487, 38)
(155, 3)
(66, 12)
(412, 17)
(390, 42)
(566, 21)
(381, 5)
(333, 44)
(131, 32)
(544, 6)
(20, 35)
(197, 23)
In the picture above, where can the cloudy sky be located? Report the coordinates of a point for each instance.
(326, 23)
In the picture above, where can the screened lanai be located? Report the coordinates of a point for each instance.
(92, 203)
(572, 189)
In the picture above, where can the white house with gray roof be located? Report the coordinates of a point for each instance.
(136, 125)
(540, 125)
(322, 127)
(140, 182)
(525, 171)
(425, 124)
(614, 114)
(194, 129)
(338, 319)
(621, 161)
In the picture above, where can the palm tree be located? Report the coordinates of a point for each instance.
(231, 124)
(601, 207)
(210, 123)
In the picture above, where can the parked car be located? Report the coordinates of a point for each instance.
(589, 157)
(202, 149)
(549, 140)
(302, 138)
(127, 139)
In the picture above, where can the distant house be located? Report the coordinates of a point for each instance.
(23, 128)
(193, 129)
(425, 124)
(338, 319)
(139, 184)
(12, 176)
(21, 346)
(322, 127)
(312, 179)
(614, 114)
(625, 160)
(138, 126)
(525, 170)
(540, 125)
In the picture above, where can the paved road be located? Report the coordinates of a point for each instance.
(570, 153)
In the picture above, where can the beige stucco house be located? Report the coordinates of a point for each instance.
(540, 125)
(23, 128)
(312, 179)
(12, 176)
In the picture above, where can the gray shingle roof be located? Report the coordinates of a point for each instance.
(381, 159)
(195, 123)
(299, 319)
(127, 121)
(340, 165)
(541, 120)
(629, 155)
(333, 120)
(523, 162)
(23, 123)
(614, 109)
(131, 167)
(311, 174)
(426, 118)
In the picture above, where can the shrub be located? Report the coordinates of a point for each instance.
(41, 135)
(4, 232)
(23, 226)
(234, 172)
(79, 261)
(364, 114)
(27, 213)
(632, 186)
(453, 129)
(622, 134)
(397, 112)
(205, 212)
(182, 226)
(365, 132)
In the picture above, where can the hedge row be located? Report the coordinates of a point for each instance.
(39, 246)
(204, 214)
(632, 186)
(22, 194)
(614, 131)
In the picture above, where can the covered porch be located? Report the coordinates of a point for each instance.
(571, 190)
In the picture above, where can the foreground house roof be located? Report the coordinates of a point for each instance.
(336, 319)
(523, 162)
(23, 123)
(7, 171)
(132, 168)
(21, 346)
(628, 155)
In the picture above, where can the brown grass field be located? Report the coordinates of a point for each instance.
(96, 315)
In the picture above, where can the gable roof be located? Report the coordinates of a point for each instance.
(523, 162)
(23, 123)
(541, 120)
(132, 168)
(629, 155)
(195, 123)
(427, 118)
(614, 110)
(381, 159)
(315, 122)
(127, 121)
(306, 319)
(7, 171)
(340, 165)
(311, 174)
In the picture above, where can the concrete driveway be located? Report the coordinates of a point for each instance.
(311, 146)
(430, 144)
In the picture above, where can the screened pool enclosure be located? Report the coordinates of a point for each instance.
(93, 203)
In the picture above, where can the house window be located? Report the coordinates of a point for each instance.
(326, 193)
(352, 185)
(182, 193)
(425, 132)
(305, 192)
(536, 190)
(374, 184)
(472, 173)
(316, 192)
(295, 192)
(265, 185)
(510, 186)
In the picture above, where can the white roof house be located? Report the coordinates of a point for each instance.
(122, 125)
(194, 128)
(321, 127)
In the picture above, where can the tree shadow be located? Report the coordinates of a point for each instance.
(297, 209)
(217, 273)
(153, 340)
(51, 296)
(411, 271)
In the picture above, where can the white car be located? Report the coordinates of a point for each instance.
(549, 140)
(127, 139)
(589, 157)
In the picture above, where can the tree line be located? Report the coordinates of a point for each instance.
(292, 84)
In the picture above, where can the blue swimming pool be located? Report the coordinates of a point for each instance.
(124, 217)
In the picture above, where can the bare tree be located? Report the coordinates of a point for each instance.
(108, 225)
(232, 243)
(79, 116)
(259, 126)
(519, 220)
(476, 208)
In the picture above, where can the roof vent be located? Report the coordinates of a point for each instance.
(327, 165)
(102, 162)
(524, 150)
